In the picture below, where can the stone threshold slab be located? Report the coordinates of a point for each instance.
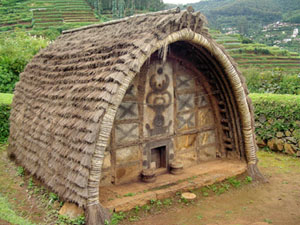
(127, 196)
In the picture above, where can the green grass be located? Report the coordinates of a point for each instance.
(6, 98)
(282, 163)
(9, 215)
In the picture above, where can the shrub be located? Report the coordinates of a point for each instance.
(16, 50)
(7, 80)
(4, 122)
(274, 81)
(246, 41)
(5, 101)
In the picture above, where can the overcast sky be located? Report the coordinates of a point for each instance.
(180, 1)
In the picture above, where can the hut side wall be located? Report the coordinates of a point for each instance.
(167, 105)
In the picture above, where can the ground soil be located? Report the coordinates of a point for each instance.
(276, 202)
(27, 201)
(2, 222)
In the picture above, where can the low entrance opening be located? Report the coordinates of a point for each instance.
(158, 158)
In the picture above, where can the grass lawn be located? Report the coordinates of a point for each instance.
(282, 98)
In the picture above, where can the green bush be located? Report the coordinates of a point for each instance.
(274, 81)
(275, 113)
(5, 101)
(246, 41)
(50, 34)
(7, 80)
(4, 122)
(16, 50)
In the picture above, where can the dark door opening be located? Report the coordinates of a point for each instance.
(158, 157)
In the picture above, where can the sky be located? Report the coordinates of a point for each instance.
(180, 1)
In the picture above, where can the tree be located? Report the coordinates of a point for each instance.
(121, 8)
(99, 6)
(243, 25)
(114, 8)
(132, 7)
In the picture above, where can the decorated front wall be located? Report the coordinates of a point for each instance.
(166, 115)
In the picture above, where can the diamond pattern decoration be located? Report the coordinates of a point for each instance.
(185, 102)
(126, 132)
(127, 110)
(184, 82)
(186, 120)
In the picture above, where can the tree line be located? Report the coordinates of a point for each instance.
(121, 8)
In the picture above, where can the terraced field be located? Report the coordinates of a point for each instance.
(65, 14)
(57, 12)
(16, 15)
(33, 14)
(258, 55)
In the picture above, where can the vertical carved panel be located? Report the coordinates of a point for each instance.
(185, 99)
(158, 100)
(126, 128)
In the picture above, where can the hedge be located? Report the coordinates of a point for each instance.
(277, 122)
(5, 102)
(275, 81)
(274, 113)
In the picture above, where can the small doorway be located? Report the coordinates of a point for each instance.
(158, 157)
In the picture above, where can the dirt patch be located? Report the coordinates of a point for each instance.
(276, 202)
(2, 222)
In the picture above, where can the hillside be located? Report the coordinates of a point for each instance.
(261, 11)
(258, 56)
(37, 14)
(266, 21)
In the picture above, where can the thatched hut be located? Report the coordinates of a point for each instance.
(104, 102)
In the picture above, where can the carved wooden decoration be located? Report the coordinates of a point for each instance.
(158, 100)
(166, 115)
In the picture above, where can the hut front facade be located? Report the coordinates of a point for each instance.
(106, 102)
(172, 111)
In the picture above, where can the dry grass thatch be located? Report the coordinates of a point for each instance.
(66, 100)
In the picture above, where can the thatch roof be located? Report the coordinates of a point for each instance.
(67, 97)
